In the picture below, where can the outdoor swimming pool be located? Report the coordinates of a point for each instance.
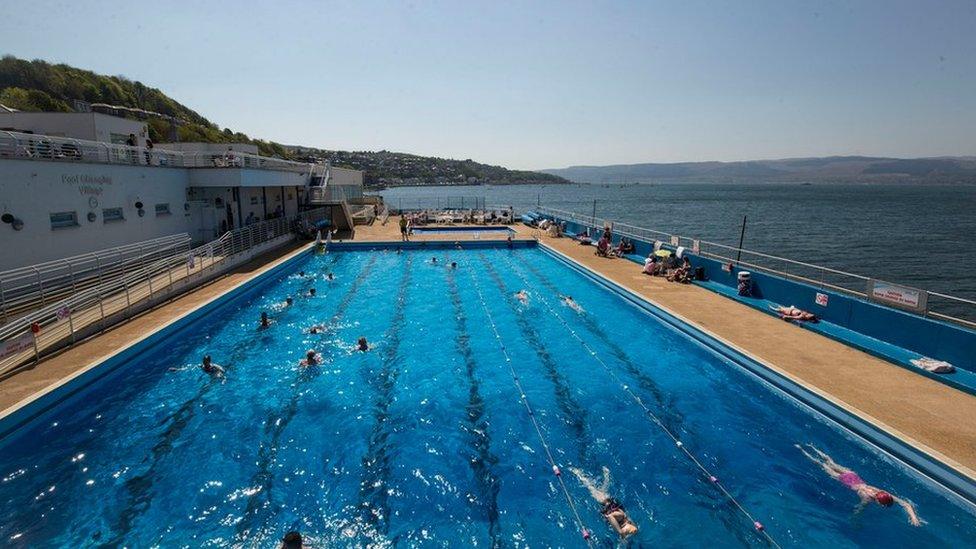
(424, 440)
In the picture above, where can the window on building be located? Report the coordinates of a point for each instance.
(63, 220)
(162, 209)
(112, 214)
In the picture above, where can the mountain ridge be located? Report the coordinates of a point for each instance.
(940, 169)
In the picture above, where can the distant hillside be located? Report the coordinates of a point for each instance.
(834, 168)
(41, 86)
(393, 169)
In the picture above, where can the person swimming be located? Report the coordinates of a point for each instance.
(311, 358)
(433, 260)
(362, 345)
(572, 304)
(311, 292)
(454, 265)
(215, 370)
(853, 481)
(316, 329)
(330, 277)
(522, 296)
(264, 321)
(301, 273)
(611, 509)
(292, 540)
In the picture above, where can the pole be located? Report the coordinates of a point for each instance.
(742, 236)
(594, 213)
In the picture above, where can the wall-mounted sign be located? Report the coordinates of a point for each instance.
(822, 299)
(674, 240)
(16, 345)
(696, 246)
(900, 296)
(84, 178)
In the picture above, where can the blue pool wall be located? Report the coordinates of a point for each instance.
(868, 323)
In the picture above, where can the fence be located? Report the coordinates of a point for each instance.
(56, 325)
(943, 306)
(27, 146)
(28, 288)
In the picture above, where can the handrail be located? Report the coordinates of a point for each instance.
(28, 337)
(28, 146)
(857, 284)
(27, 288)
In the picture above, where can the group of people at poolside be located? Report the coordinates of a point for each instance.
(672, 267)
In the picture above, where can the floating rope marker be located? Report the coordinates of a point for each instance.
(759, 526)
(586, 534)
(712, 479)
(555, 469)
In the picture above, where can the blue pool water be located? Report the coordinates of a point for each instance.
(465, 229)
(424, 441)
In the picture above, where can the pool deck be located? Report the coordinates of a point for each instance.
(934, 417)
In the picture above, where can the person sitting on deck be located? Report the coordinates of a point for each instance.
(651, 265)
(311, 358)
(682, 273)
(792, 313)
(554, 230)
(215, 370)
(853, 481)
(610, 508)
(603, 247)
(584, 237)
(624, 248)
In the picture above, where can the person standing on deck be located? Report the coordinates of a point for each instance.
(404, 236)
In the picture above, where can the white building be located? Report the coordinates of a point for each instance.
(63, 195)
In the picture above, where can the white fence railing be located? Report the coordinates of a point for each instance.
(28, 338)
(28, 146)
(943, 306)
(34, 286)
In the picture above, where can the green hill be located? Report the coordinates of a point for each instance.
(41, 86)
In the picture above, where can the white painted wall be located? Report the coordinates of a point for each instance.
(32, 190)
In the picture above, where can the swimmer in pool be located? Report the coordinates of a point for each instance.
(610, 508)
(572, 304)
(853, 481)
(453, 265)
(522, 296)
(311, 358)
(215, 370)
(362, 345)
(264, 321)
(311, 292)
(292, 540)
(433, 260)
(301, 274)
(283, 305)
(330, 277)
(316, 329)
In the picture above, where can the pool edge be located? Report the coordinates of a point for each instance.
(936, 466)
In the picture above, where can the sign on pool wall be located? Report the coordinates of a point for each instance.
(899, 296)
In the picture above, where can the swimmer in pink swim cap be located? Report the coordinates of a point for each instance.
(853, 481)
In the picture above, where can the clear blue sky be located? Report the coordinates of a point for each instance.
(544, 84)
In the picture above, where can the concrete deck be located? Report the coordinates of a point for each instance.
(923, 412)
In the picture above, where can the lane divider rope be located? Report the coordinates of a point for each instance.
(535, 422)
(713, 479)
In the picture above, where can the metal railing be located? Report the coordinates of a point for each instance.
(34, 286)
(436, 203)
(943, 306)
(28, 338)
(26, 146)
